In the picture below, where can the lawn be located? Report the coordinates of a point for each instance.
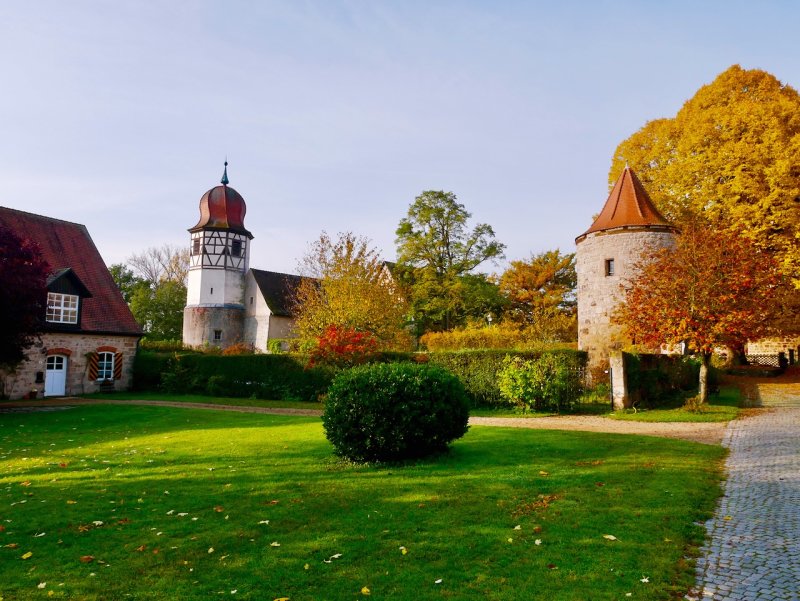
(201, 398)
(115, 502)
(721, 407)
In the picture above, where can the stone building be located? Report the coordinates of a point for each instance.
(605, 258)
(227, 302)
(90, 337)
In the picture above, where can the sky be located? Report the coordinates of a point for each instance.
(334, 115)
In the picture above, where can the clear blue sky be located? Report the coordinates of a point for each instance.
(334, 115)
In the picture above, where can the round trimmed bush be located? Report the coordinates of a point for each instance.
(394, 411)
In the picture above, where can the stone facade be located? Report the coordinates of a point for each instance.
(30, 375)
(202, 324)
(790, 345)
(600, 284)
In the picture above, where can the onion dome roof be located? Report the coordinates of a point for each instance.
(222, 208)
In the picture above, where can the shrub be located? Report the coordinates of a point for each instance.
(394, 411)
(548, 383)
(501, 336)
(343, 347)
(652, 379)
(478, 369)
(240, 348)
(162, 346)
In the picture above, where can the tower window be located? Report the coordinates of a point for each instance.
(217, 335)
(236, 248)
(196, 246)
(251, 300)
(212, 291)
(609, 266)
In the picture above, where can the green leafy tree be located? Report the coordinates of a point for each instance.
(730, 158)
(23, 296)
(156, 284)
(712, 290)
(348, 285)
(127, 281)
(436, 250)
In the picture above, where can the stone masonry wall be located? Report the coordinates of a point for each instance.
(76, 346)
(599, 294)
(773, 346)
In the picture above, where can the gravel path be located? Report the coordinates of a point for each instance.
(708, 433)
(753, 549)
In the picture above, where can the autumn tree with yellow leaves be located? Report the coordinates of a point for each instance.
(730, 157)
(347, 285)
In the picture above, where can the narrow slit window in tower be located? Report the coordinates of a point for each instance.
(609, 267)
(217, 335)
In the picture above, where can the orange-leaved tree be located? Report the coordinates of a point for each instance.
(710, 291)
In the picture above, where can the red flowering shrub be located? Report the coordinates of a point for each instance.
(343, 347)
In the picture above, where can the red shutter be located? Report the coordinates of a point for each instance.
(117, 366)
(92, 367)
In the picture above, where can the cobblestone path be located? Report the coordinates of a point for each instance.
(753, 551)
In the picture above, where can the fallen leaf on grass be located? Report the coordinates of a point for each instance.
(141, 548)
(332, 557)
(645, 579)
(39, 534)
(537, 542)
(87, 558)
(211, 549)
(365, 590)
(438, 581)
(543, 473)
(403, 550)
(219, 508)
(275, 544)
(26, 483)
(609, 537)
(41, 585)
(264, 522)
(71, 502)
(282, 599)
(27, 555)
(518, 527)
(552, 566)
(11, 546)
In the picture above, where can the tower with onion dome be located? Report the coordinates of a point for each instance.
(605, 258)
(219, 260)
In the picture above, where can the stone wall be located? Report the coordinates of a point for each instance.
(23, 381)
(599, 294)
(199, 324)
(773, 346)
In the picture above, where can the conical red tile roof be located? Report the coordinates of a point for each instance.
(627, 206)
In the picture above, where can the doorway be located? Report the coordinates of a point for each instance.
(55, 380)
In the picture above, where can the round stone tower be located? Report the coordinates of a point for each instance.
(219, 259)
(605, 258)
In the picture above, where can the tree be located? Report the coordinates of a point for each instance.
(23, 296)
(165, 263)
(348, 285)
(710, 291)
(156, 286)
(435, 249)
(540, 287)
(127, 281)
(729, 157)
(159, 309)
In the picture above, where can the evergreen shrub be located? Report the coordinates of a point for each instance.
(394, 411)
(653, 379)
(547, 383)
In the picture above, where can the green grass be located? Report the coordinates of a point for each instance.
(722, 407)
(199, 398)
(143, 495)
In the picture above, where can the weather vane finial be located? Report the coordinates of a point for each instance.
(224, 179)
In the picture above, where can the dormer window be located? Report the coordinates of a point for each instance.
(62, 308)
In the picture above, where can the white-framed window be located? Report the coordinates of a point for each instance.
(105, 366)
(62, 308)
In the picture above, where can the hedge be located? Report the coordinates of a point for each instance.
(477, 369)
(652, 379)
(285, 377)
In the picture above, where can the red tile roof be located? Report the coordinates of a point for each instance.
(627, 206)
(68, 245)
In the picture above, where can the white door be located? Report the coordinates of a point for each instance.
(55, 379)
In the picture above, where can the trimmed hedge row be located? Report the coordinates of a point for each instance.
(286, 377)
(653, 379)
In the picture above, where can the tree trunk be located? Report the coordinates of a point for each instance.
(705, 361)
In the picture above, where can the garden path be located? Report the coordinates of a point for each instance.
(753, 547)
